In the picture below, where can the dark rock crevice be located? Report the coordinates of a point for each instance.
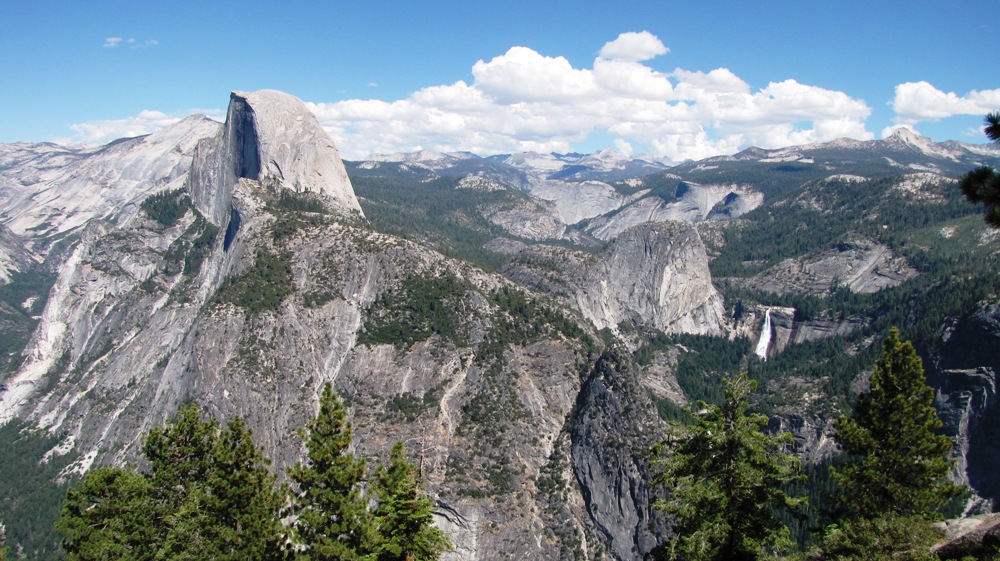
(247, 147)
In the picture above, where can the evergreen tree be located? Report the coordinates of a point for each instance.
(726, 478)
(404, 517)
(224, 502)
(208, 495)
(245, 500)
(109, 515)
(982, 185)
(896, 538)
(331, 517)
(899, 463)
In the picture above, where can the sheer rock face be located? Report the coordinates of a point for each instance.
(654, 275)
(615, 427)
(965, 371)
(789, 330)
(270, 137)
(658, 274)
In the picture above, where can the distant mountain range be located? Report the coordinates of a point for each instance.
(606, 192)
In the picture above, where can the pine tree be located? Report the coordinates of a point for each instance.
(208, 495)
(726, 478)
(226, 505)
(982, 185)
(899, 463)
(332, 521)
(245, 501)
(404, 517)
(109, 515)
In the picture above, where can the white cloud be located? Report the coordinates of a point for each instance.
(632, 79)
(96, 133)
(523, 75)
(112, 42)
(920, 101)
(623, 147)
(525, 101)
(633, 47)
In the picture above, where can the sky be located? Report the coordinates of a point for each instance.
(674, 80)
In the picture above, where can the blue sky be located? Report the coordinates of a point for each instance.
(673, 79)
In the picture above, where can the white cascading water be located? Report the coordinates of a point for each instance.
(765, 336)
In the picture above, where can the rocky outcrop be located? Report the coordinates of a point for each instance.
(964, 371)
(976, 537)
(14, 257)
(691, 203)
(270, 137)
(860, 265)
(577, 201)
(813, 436)
(654, 275)
(530, 219)
(613, 432)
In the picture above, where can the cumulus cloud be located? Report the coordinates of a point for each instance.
(112, 42)
(920, 101)
(633, 47)
(523, 75)
(96, 133)
(523, 100)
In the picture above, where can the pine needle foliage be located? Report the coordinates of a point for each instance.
(331, 517)
(404, 517)
(899, 463)
(906, 538)
(727, 481)
(982, 185)
(207, 495)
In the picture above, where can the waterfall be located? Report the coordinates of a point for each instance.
(765, 336)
